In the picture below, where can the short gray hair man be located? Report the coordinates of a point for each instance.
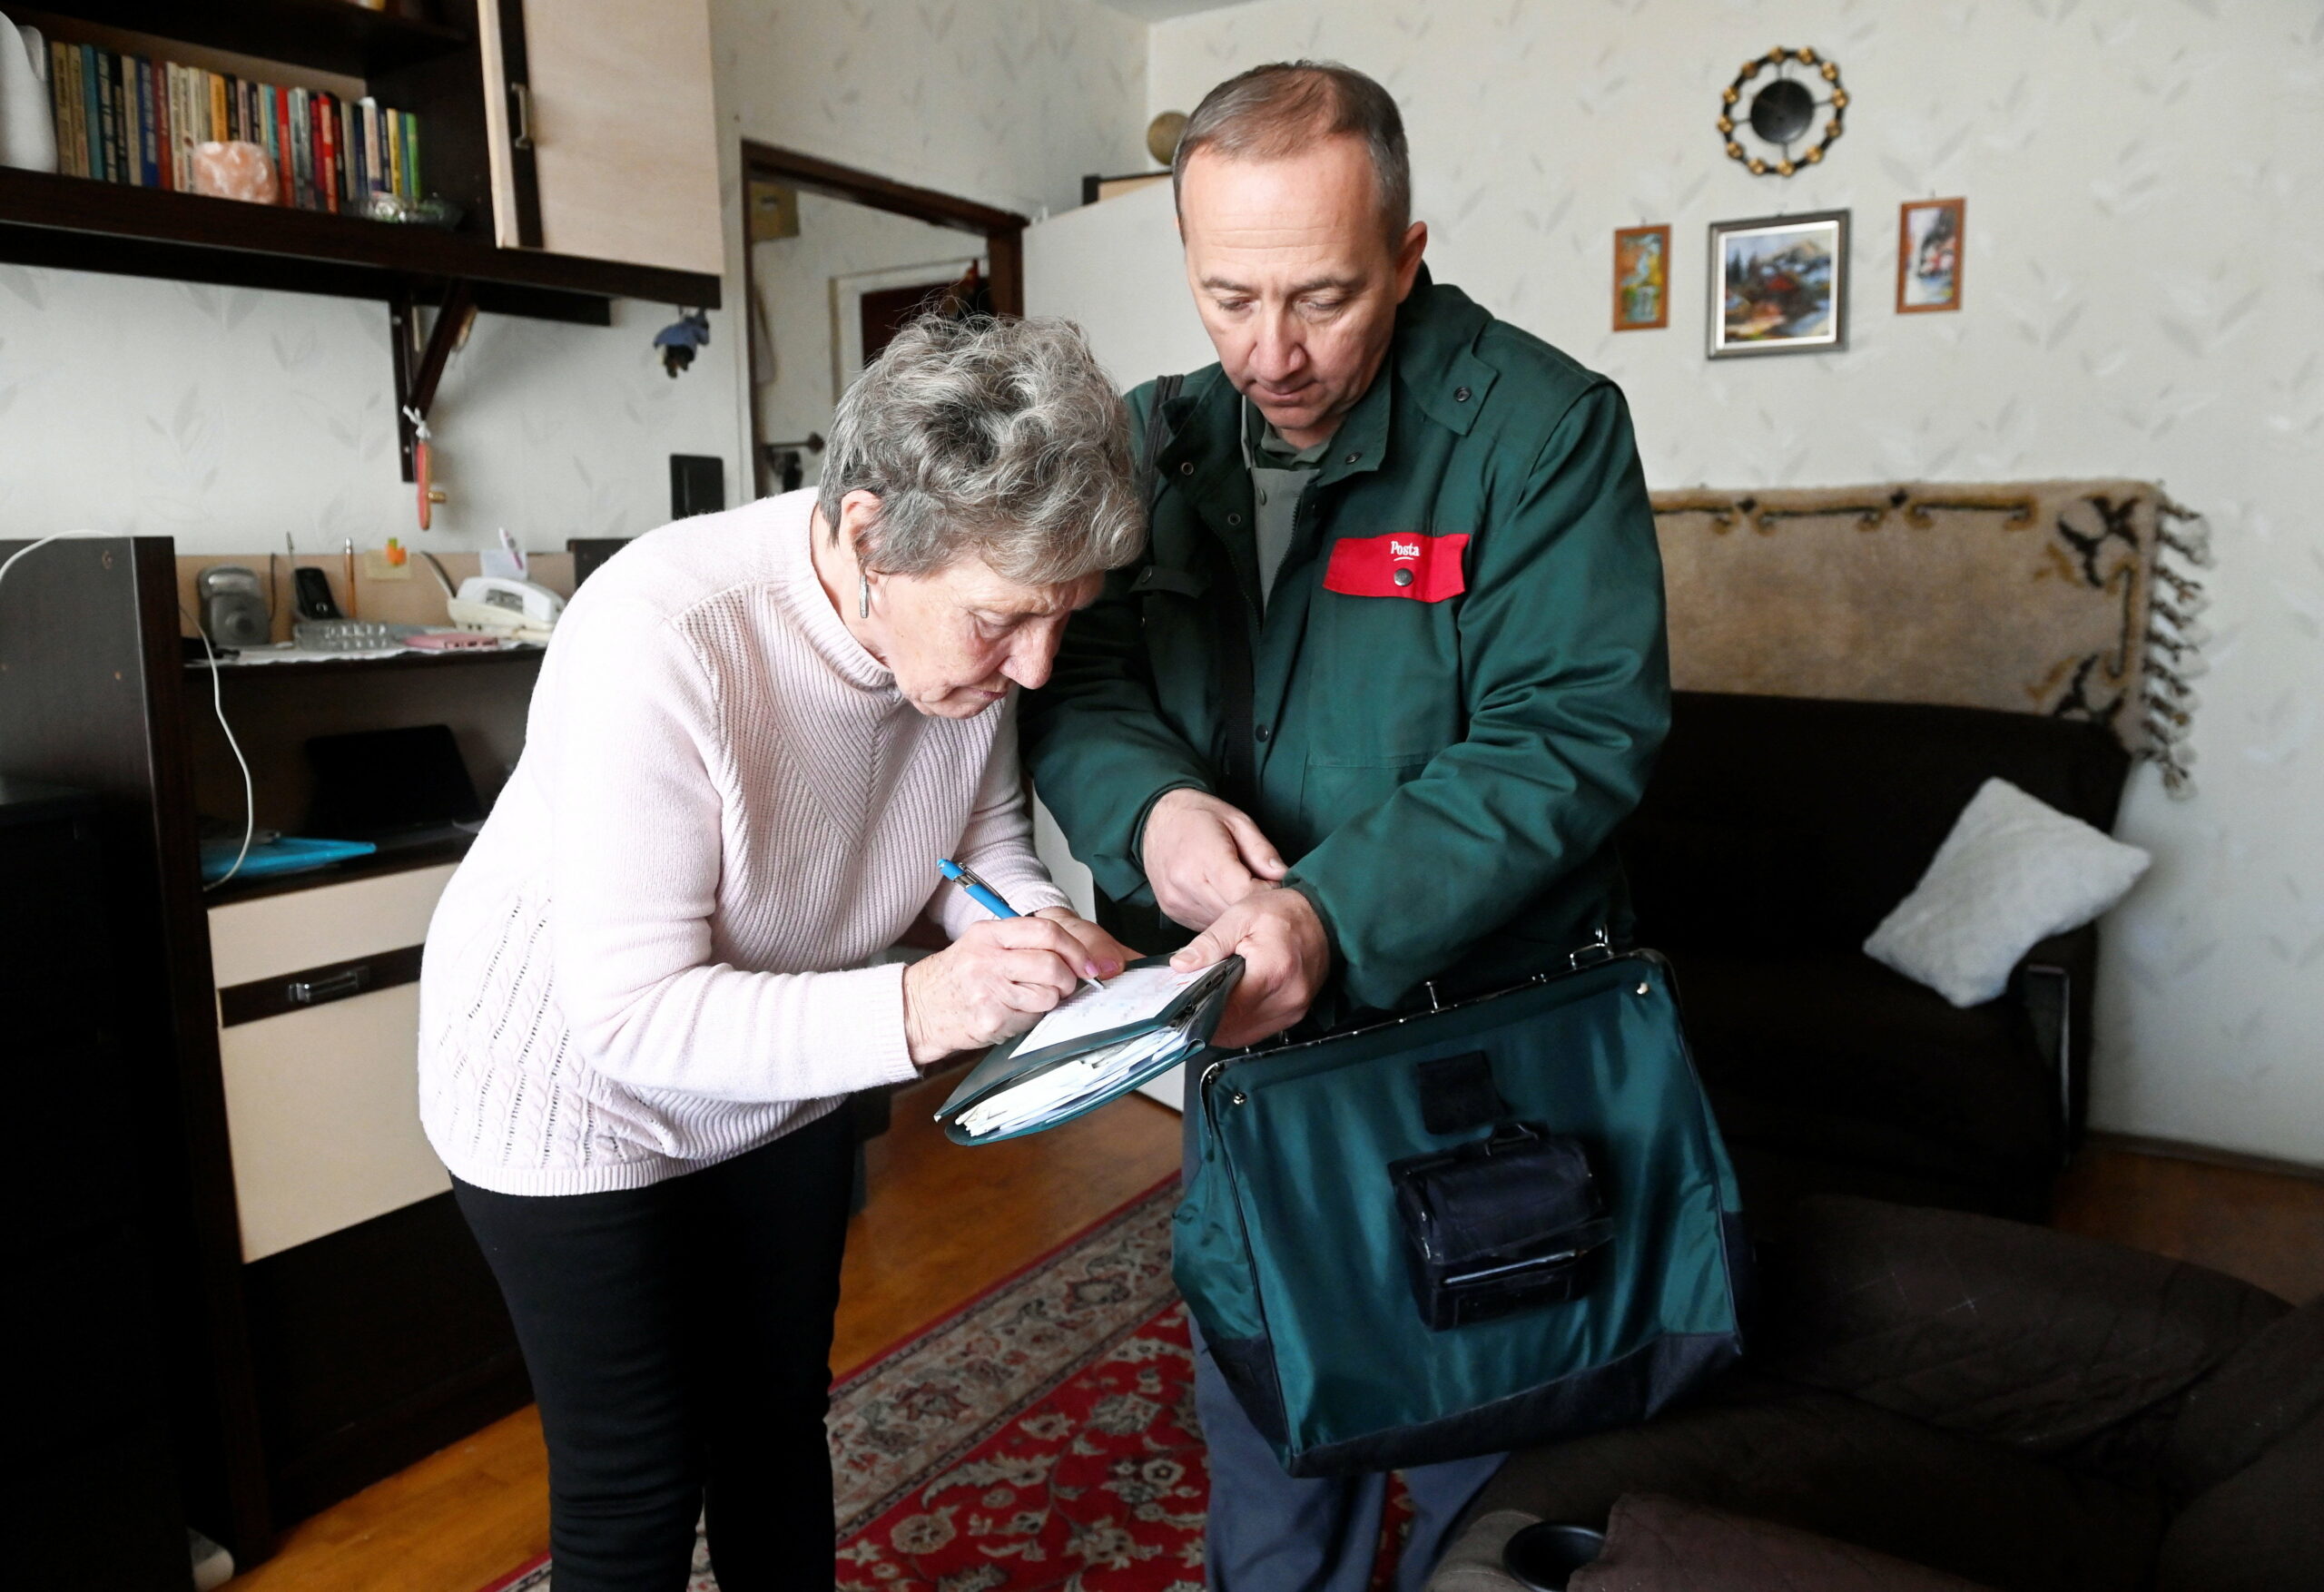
(1275, 110)
(1000, 437)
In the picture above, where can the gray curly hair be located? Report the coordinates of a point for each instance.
(1000, 437)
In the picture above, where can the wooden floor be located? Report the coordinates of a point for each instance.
(945, 1224)
(2256, 1223)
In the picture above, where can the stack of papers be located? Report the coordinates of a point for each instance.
(1137, 996)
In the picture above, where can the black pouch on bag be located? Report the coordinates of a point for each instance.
(1499, 1224)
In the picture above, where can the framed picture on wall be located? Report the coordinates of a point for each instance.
(1641, 278)
(1780, 285)
(1929, 236)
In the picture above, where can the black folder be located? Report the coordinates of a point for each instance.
(1175, 1027)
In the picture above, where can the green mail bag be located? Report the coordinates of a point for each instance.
(1326, 1267)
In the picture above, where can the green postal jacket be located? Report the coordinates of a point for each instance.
(1458, 687)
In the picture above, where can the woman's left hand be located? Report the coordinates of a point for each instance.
(1102, 946)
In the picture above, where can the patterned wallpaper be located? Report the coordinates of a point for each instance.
(799, 283)
(1005, 101)
(1008, 101)
(2142, 299)
(228, 416)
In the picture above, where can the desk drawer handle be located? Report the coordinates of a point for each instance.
(304, 988)
(338, 986)
(520, 116)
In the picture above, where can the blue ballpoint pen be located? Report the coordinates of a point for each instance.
(985, 896)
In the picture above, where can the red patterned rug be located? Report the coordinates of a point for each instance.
(1042, 1437)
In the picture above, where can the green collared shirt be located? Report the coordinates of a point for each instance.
(1280, 476)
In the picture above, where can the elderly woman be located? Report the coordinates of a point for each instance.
(660, 969)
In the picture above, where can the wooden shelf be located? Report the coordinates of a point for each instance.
(306, 669)
(81, 224)
(430, 68)
(367, 866)
(328, 35)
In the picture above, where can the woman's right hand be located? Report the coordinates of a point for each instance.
(994, 981)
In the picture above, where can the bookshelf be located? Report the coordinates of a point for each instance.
(428, 57)
(350, 40)
(78, 223)
(630, 176)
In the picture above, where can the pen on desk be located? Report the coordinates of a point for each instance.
(985, 896)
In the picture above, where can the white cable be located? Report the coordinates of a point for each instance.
(217, 706)
(250, 798)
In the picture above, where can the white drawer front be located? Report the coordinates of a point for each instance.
(324, 1113)
(329, 923)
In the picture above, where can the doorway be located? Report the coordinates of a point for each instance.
(836, 262)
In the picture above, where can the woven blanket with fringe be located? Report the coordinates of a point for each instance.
(2070, 598)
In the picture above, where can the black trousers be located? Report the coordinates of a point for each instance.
(679, 1340)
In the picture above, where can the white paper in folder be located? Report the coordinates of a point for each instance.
(1068, 1083)
(1096, 1044)
(1135, 995)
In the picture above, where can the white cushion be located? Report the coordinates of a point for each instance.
(2014, 870)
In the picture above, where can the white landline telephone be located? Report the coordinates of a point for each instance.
(499, 604)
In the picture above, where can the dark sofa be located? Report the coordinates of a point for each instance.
(1775, 833)
(2025, 1410)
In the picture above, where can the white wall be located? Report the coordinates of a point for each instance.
(228, 416)
(796, 280)
(1008, 101)
(1115, 269)
(2142, 299)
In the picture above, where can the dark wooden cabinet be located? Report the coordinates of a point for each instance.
(376, 1346)
(93, 695)
(182, 1371)
(96, 1501)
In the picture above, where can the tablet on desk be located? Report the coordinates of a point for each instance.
(397, 789)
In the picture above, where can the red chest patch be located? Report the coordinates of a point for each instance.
(1404, 564)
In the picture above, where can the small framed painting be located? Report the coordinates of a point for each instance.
(1641, 278)
(1780, 285)
(1929, 233)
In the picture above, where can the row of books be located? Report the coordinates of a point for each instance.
(124, 119)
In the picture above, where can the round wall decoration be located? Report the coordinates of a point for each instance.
(1782, 111)
(1162, 135)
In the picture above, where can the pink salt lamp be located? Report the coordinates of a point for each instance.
(237, 170)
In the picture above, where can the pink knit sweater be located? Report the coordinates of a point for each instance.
(660, 951)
